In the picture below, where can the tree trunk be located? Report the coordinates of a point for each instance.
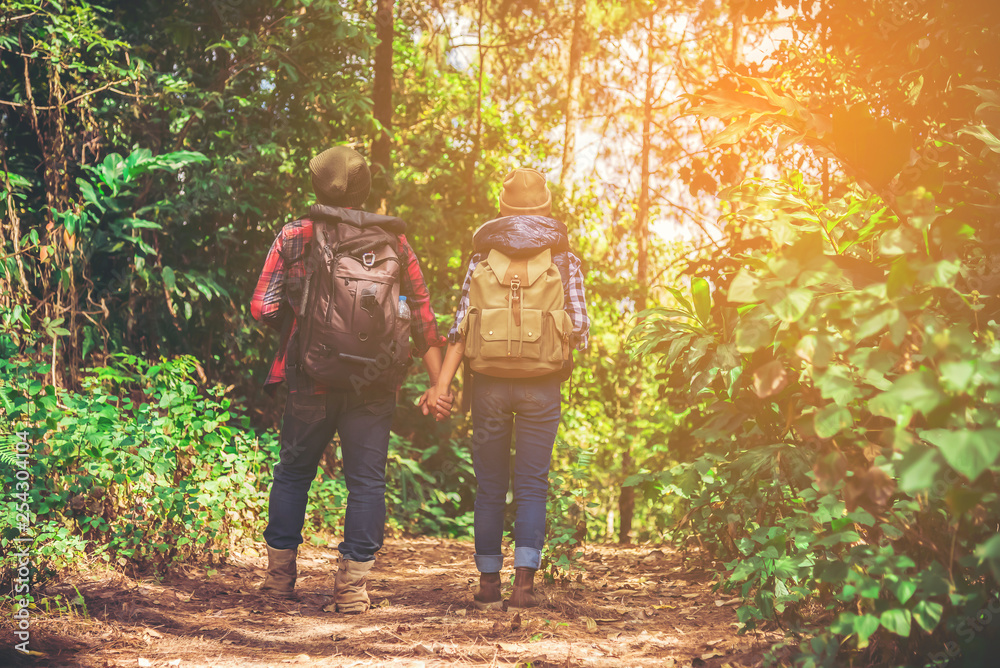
(626, 500)
(477, 135)
(382, 100)
(572, 79)
(736, 46)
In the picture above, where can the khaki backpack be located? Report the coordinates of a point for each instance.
(516, 326)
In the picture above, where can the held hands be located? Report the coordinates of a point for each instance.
(433, 400)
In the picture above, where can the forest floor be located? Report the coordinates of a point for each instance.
(630, 606)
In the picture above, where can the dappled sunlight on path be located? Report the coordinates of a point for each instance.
(635, 606)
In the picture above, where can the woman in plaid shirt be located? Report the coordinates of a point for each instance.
(313, 413)
(530, 408)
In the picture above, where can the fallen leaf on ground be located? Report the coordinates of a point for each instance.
(653, 557)
(144, 663)
(590, 622)
(515, 623)
(421, 648)
(153, 633)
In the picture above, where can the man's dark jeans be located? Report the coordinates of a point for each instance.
(529, 409)
(309, 424)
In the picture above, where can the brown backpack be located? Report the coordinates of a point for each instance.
(516, 326)
(352, 333)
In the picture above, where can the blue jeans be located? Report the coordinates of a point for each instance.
(308, 426)
(530, 409)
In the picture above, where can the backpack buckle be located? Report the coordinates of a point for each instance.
(368, 259)
(515, 284)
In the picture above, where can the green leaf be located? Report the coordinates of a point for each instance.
(139, 223)
(916, 391)
(702, 299)
(905, 589)
(927, 614)
(896, 242)
(966, 451)
(984, 135)
(830, 420)
(169, 279)
(753, 334)
(743, 287)
(814, 349)
(990, 553)
(876, 323)
(835, 384)
(681, 299)
(732, 133)
(897, 620)
(918, 469)
(957, 376)
(848, 623)
(791, 305)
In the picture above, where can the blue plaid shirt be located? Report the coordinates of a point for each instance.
(574, 297)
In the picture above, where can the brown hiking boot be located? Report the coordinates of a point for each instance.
(280, 580)
(523, 595)
(487, 597)
(350, 589)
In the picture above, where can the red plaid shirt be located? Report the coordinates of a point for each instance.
(286, 259)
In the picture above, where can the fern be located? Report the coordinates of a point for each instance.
(8, 449)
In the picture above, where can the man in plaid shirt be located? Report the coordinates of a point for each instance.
(527, 408)
(313, 413)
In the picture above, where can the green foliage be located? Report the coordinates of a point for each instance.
(844, 377)
(568, 505)
(140, 468)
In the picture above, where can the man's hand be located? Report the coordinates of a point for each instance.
(443, 406)
(434, 401)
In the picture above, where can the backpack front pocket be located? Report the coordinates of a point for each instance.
(469, 329)
(555, 339)
(503, 337)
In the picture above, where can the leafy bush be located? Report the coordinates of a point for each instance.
(141, 468)
(846, 384)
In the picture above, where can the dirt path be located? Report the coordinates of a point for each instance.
(630, 607)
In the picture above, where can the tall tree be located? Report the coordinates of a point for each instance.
(572, 84)
(382, 100)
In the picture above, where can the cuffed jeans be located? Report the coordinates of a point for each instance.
(530, 408)
(308, 426)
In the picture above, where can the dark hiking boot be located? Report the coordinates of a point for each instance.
(280, 580)
(487, 597)
(523, 595)
(350, 589)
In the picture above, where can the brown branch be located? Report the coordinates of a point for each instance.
(19, 252)
(64, 104)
